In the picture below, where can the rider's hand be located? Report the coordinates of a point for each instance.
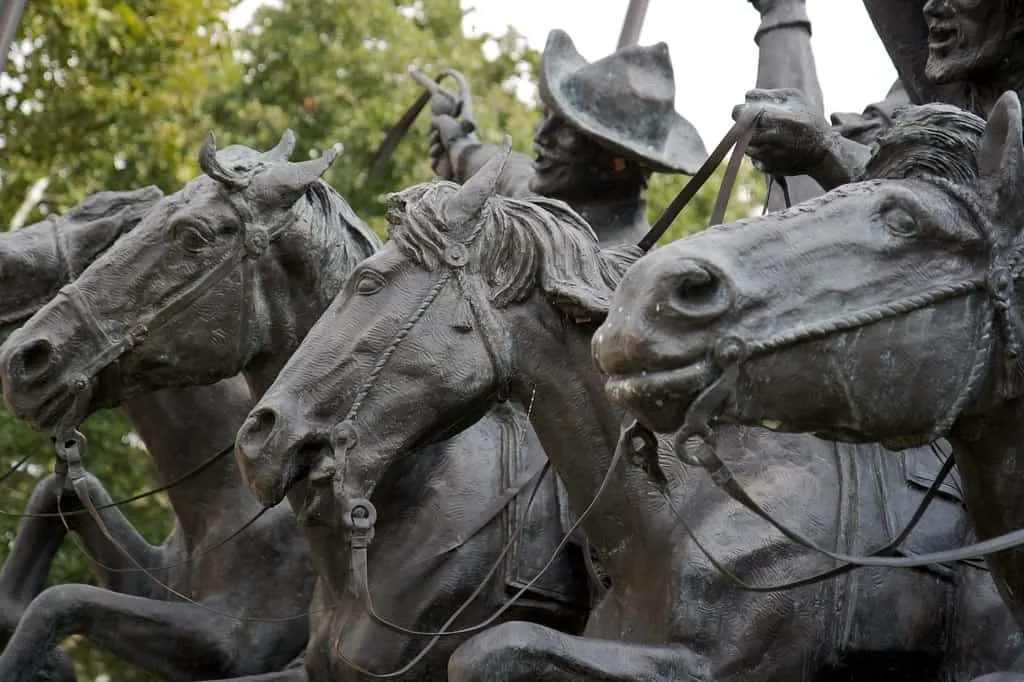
(444, 130)
(766, 6)
(790, 138)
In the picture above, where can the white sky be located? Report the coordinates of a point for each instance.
(711, 43)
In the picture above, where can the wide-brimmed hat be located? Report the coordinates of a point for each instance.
(625, 101)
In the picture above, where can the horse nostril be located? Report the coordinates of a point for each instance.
(255, 432)
(31, 360)
(698, 292)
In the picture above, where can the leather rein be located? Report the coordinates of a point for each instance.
(694, 441)
(362, 514)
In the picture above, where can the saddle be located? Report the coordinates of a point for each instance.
(541, 524)
(885, 489)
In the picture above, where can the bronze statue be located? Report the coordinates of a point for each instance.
(250, 254)
(507, 293)
(914, 332)
(183, 429)
(607, 126)
(960, 52)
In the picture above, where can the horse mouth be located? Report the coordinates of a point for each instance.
(57, 411)
(660, 398)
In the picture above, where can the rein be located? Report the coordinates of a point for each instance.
(72, 476)
(72, 472)
(362, 514)
(195, 471)
(694, 441)
(739, 135)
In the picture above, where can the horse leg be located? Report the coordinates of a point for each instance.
(526, 652)
(173, 640)
(24, 573)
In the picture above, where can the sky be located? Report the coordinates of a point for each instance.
(711, 43)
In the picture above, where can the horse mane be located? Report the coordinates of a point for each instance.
(516, 245)
(929, 141)
(338, 235)
(338, 239)
(135, 204)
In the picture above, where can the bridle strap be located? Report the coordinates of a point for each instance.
(738, 135)
(643, 445)
(69, 451)
(115, 347)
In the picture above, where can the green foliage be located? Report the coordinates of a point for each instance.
(117, 95)
(106, 95)
(336, 71)
(125, 471)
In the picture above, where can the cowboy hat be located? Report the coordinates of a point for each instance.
(625, 101)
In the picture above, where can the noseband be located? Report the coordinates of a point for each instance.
(694, 441)
(495, 338)
(253, 240)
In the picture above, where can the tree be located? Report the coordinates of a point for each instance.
(107, 95)
(100, 95)
(335, 71)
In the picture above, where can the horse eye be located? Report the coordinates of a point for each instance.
(368, 284)
(194, 239)
(900, 222)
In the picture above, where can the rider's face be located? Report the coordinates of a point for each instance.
(964, 37)
(562, 153)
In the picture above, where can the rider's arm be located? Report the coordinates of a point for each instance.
(850, 149)
(468, 155)
(785, 60)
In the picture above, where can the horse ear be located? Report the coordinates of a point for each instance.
(283, 183)
(1001, 161)
(284, 147)
(581, 303)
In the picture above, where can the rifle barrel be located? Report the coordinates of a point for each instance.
(634, 22)
(10, 17)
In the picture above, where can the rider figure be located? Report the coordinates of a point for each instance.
(971, 57)
(607, 126)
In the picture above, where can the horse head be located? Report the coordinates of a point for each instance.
(37, 260)
(190, 295)
(426, 335)
(880, 311)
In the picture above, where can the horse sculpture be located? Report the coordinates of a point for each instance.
(250, 254)
(183, 430)
(914, 332)
(513, 289)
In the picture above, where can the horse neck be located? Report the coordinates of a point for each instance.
(184, 427)
(990, 456)
(579, 429)
(293, 297)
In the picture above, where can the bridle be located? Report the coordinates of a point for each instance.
(694, 441)
(251, 242)
(361, 514)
